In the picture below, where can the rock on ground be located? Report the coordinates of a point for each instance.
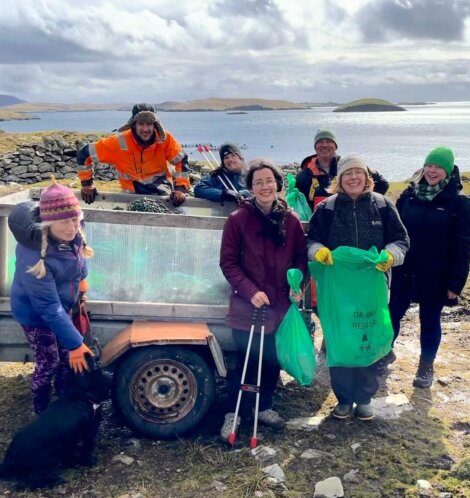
(329, 488)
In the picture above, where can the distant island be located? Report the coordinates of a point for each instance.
(20, 109)
(369, 105)
(232, 104)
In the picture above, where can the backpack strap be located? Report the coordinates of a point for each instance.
(379, 200)
(330, 202)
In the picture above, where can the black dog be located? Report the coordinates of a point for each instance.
(62, 436)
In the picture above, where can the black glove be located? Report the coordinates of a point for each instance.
(89, 193)
(231, 195)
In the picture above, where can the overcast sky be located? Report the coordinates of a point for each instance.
(299, 50)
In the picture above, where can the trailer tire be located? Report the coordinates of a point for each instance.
(163, 391)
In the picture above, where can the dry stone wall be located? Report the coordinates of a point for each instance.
(32, 163)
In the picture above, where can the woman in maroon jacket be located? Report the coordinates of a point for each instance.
(261, 240)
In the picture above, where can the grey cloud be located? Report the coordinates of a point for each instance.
(246, 8)
(442, 20)
(37, 46)
(334, 12)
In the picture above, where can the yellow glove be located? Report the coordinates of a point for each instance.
(323, 256)
(77, 358)
(388, 264)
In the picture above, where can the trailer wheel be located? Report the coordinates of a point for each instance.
(163, 391)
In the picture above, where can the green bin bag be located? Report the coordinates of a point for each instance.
(296, 200)
(293, 342)
(353, 307)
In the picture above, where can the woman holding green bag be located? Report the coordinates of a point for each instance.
(355, 217)
(261, 240)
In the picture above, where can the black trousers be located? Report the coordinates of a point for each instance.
(269, 372)
(430, 323)
(355, 384)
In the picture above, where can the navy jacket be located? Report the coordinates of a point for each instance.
(46, 302)
(439, 230)
(212, 186)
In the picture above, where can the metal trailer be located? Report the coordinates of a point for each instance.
(158, 302)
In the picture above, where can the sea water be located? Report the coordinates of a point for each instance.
(395, 143)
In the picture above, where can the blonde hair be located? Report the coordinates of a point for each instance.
(39, 269)
(335, 187)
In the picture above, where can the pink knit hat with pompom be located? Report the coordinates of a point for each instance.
(58, 202)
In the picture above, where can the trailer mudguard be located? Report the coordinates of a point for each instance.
(139, 334)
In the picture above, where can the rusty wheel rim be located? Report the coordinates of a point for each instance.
(163, 391)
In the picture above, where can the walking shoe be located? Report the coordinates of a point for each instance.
(228, 426)
(425, 374)
(364, 412)
(384, 362)
(342, 411)
(271, 418)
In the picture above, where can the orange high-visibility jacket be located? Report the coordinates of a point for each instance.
(134, 162)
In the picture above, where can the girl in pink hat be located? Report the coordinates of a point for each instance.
(50, 265)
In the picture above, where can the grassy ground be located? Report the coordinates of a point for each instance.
(430, 442)
(11, 141)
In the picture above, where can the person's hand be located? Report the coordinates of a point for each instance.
(295, 297)
(259, 299)
(387, 264)
(452, 295)
(231, 195)
(245, 193)
(89, 193)
(177, 197)
(77, 358)
(324, 256)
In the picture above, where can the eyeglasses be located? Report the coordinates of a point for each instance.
(269, 182)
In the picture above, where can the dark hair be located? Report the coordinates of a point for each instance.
(259, 164)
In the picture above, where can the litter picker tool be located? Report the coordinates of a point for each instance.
(259, 316)
(208, 149)
(201, 149)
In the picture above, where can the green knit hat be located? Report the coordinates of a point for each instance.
(327, 133)
(442, 157)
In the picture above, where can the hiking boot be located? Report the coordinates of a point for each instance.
(365, 412)
(425, 374)
(342, 411)
(228, 426)
(271, 419)
(384, 362)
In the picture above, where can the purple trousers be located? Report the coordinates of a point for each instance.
(52, 363)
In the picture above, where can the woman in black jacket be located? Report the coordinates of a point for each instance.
(436, 267)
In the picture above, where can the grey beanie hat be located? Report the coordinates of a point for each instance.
(327, 133)
(350, 161)
(229, 148)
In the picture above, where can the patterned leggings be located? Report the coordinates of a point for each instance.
(52, 362)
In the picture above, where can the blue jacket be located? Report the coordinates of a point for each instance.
(212, 186)
(46, 302)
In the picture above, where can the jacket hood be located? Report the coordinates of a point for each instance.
(455, 182)
(334, 161)
(24, 223)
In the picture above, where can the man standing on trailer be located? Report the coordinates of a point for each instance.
(141, 152)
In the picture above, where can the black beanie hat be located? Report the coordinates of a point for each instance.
(229, 148)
